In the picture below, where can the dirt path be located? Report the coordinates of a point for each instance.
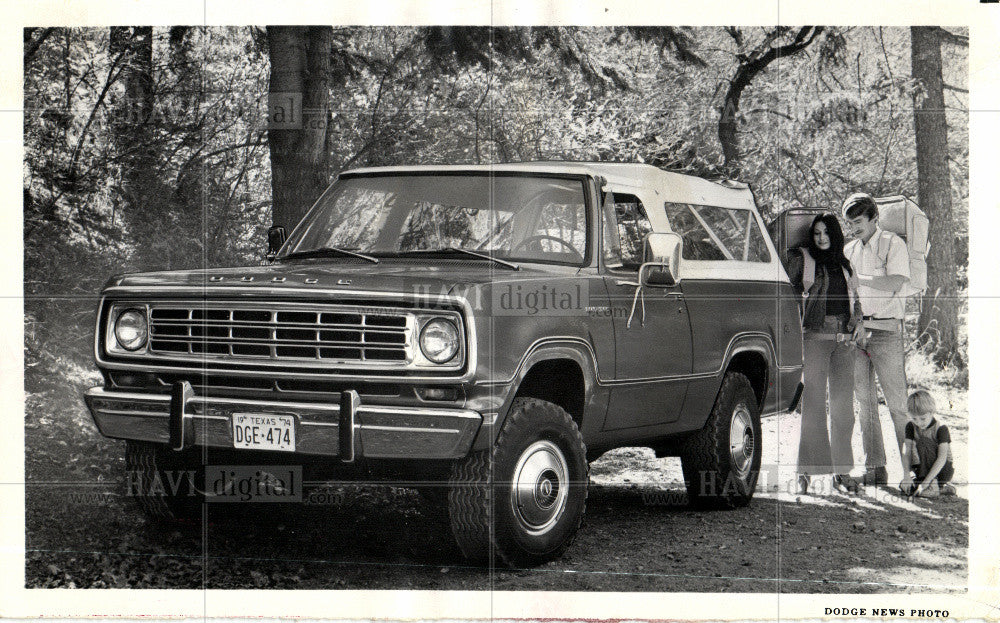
(638, 534)
(381, 538)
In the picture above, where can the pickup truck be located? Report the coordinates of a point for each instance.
(478, 333)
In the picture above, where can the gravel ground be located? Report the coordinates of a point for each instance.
(638, 535)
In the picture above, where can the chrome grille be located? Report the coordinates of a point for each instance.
(302, 333)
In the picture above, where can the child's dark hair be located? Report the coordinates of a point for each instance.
(835, 254)
(921, 402)
(860, 204)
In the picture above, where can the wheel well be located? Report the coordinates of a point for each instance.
(559, 381)
(753, 365)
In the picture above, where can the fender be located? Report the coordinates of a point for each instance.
(758, 342)
(702, 393)
(778, 378)
(570, 348)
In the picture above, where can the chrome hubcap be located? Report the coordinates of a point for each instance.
(540, 487)
(741, 440)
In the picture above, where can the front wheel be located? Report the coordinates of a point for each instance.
(162, 482)
(532, 493)
(721, 462)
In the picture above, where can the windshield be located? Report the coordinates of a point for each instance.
(534, 219)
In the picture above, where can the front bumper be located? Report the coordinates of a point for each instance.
(372, 431)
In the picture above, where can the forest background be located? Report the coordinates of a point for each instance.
(150, 149)
(160, 148)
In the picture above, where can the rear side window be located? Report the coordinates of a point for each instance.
(717, 234)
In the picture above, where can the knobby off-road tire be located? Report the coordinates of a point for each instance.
(162, 483)
(526, 501)
(721, 462)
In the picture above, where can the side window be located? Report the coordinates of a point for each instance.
(632, 225)
(758, 248)
(698, 243)
(714, 234)
(725, 227)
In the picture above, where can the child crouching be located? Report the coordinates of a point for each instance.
(927, 449)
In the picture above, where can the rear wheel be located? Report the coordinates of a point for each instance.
(162, 482)
(528, 502)
(721, 462)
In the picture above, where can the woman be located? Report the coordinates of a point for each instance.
(826, 280)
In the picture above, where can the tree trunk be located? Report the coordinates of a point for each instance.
(939, 312)
(137, 73)
(298, 116)
(67, 71)
(728, 136)
(134, 140)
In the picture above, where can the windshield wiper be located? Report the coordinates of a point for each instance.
(510, 265)
(484, 256)
(326, 251)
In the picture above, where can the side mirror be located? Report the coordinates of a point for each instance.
(661, 259)
(275, 238)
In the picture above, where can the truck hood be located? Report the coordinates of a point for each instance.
(437, 277)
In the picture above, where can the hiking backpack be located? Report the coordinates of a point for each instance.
(905, 219)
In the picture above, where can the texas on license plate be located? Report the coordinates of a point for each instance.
(264, 431)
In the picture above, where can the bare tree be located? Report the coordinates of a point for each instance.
(33, 41)
(750, 65)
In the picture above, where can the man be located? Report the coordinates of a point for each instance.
(882, 264)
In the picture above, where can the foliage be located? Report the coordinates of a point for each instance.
(203, 170)
(830, 120)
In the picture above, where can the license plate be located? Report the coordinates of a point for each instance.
(264, 431)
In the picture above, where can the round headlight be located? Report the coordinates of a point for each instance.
(439, 340)
(130, 329)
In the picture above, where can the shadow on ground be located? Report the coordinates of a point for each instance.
(386, 538)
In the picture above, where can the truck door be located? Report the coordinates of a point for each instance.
(652, 331)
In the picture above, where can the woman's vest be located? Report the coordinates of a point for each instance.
(809, 278)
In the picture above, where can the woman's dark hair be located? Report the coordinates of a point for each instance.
(835, 254)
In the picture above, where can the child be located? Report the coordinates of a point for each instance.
(927, 449)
